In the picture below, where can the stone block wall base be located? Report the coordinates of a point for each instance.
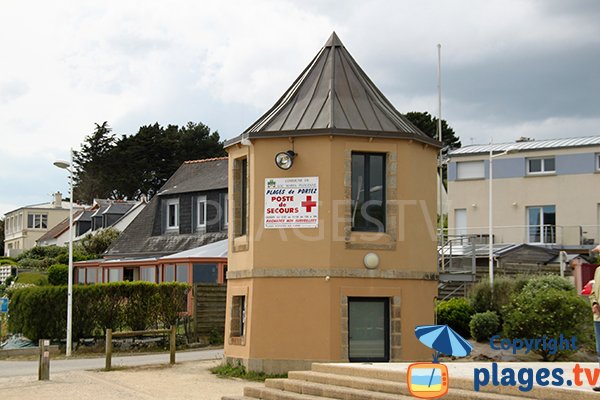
(272, 366)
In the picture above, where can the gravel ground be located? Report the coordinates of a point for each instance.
(188, 380)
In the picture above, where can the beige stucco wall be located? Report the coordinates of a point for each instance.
(413, 207)
(576, 197)
(25, 238)
(294, 313)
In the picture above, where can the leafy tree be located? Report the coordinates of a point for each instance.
(429, 125)
(91, 173)
(139, 164)
(95, 245)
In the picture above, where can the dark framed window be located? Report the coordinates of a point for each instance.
(368, 192)
(241, 197)
(238, 316)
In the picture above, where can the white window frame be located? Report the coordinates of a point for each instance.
(38, 219)
(200, 202)
(172, 202)
(542, 226)
(543, 171)
(480, 165)
(597, 161)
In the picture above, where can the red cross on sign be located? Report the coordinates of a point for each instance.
(309, 204)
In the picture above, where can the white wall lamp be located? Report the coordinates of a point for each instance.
(285, 159)
(371, 260)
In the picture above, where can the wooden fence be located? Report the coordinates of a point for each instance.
(209, 309)
(110, 335)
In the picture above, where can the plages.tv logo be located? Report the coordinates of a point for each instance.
(431, 380)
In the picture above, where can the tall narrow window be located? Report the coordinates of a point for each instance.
(241, 196)
(225, 205)
(172, 214)
(541, 225)
(201, 212)
(368, 192)
(238, 315)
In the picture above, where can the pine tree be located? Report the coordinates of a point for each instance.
(92, 172)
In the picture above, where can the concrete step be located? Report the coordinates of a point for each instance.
(385, 386)
(371, 389)
(321, 390)
(266, 393)
(237, 398)
(367, 371)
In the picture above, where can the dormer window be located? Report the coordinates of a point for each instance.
(201, 215)
(172, 214)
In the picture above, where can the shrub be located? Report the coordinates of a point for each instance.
(546, 282)
(58, 274)
(484, 325)
(504, 287)
(456, 313)
(40, 312)
(550, 312)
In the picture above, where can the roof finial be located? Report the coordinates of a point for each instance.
(334, 41)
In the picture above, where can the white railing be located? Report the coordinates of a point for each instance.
(561, 235)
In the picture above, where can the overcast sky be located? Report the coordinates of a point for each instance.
(510, 68)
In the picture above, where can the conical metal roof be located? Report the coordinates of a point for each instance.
(333, 96)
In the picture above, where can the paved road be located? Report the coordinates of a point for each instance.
(27, 368)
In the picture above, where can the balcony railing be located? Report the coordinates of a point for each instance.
(559, 235)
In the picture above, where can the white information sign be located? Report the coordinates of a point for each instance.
(292, 202)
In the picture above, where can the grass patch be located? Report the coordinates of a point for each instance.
(36, 278)
(239, 371)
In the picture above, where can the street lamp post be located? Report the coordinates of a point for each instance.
(490, 214)
(69, 167)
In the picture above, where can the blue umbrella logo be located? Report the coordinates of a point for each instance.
(444, 340)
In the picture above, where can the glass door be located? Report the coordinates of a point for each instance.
(368, 329)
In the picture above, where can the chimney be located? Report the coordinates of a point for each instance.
(57, 201)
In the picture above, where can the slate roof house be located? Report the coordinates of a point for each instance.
(102, 214)
(188, 212)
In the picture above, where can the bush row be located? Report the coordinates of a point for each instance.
(41, 312)
(521, 307)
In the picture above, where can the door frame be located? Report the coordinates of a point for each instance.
(387, 327)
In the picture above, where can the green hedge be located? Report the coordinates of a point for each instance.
(41, 312)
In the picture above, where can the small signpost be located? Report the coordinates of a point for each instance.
(44, 366)
(4, 305)
(3, 312)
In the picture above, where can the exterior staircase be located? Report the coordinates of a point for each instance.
(351, 382)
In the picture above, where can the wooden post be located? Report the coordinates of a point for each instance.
(108, 365)
(44, 365)
(173, 343)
